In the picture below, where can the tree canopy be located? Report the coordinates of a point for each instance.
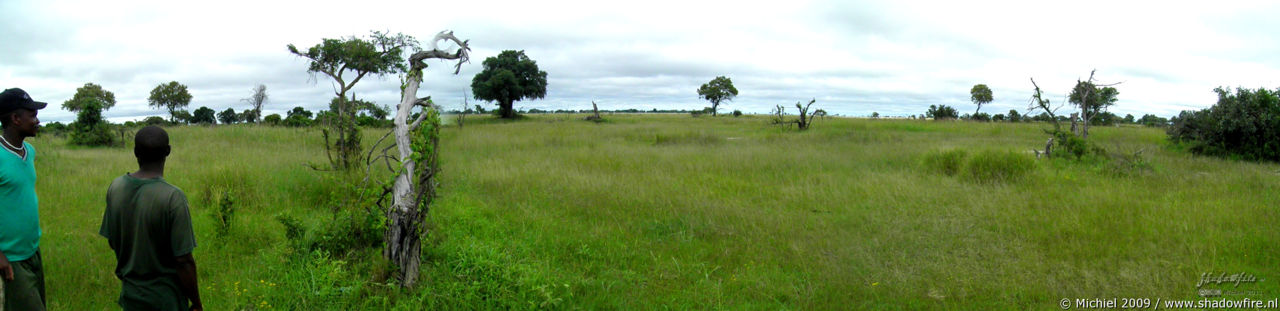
(90, 94)
(256, 100)
(980, 94)
(228, 116)
(203, 115)
(717, 90)
(507, 78)
(171, 96)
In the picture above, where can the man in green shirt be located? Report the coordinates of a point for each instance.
(148, 225)
(21, 270)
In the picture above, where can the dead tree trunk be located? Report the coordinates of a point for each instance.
(415, 182)
(1075, 116)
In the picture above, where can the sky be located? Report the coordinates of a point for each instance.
(854, 57)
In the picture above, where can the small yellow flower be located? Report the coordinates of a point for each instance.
(875, 283)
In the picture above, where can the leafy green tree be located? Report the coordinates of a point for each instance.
(183, 116)
(1153, 120)
(509, 77)
(1014, 116)
(381, 54)
(90, 129)
(716, 91)
(941, 112)
(980, 94)
(203, 115)
(90, 94)
(172, 96)
(154, 120)
(248, 116)
(1128, 119)
(298, 117)
(1244, 124)
(272, 119)
(228, 116)
(1092, 100)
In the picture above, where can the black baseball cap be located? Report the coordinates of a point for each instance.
(14, 98)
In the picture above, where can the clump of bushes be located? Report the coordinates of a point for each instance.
(224, 212)
(986, 166)
(1243, 125)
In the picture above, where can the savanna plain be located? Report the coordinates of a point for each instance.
(675, 212)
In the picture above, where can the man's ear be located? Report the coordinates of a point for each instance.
(167, 149)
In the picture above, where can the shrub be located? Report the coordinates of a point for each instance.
(942, 112)
(1073, 146)
(224, 212)
(154, 120)
(946, 162)
(997, 166)
(1243, 125)
(737, 113)
(272, 119)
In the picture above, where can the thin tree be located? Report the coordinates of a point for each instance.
(980, 94)
(380, 55)
(1092, 99)
(417, 143)
(256, 101)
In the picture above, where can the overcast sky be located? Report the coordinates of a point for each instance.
(854, 57)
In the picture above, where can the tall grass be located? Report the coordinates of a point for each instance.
(674, 212)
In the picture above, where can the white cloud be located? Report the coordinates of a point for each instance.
(855, 57)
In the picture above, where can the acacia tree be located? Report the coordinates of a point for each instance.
(717, 90)
(256, 100)
(1092, 99)
(507, 78)
(417, 147)
(980, 94)
(203, 115)
(90, 94)
(172, 96)
(379, 55)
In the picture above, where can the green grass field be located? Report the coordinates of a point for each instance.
(675, 212)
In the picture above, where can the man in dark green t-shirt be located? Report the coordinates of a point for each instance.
(148, 226)
(21, 270)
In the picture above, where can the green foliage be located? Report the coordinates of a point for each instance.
(717, 90)
(181, 116)
(298, 117)
(1075, 147)
(980, 117)
(509, 77)
(272, 119)
(248, 116)
(203, 115)
(90, 129)
(945, 162)
(55, 128)
(980, 94)
(154, 120)
(228, 116)
(172, 96)
(1092, 100)
(380, 54)
(941, 112)
(224, 211)
(344, 151)
(737, 113)
(90, 94)
(991, 166)
(1014, 116)
(1244, 125)
(1153, 121)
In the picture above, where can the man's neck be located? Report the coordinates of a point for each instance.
(151, 170)
(14, 138)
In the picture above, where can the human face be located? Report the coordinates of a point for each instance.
(27, 123)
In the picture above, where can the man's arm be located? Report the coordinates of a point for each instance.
(6, 271)
(187, 280)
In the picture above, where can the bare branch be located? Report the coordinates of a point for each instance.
(462, 55)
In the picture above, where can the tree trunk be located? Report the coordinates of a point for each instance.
(414, 185)
(1074, 117)
(403, 244)
(508, 109)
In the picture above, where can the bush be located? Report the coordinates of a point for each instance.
(737, 113)
(154, 120)
(997, 166)
(942, 112)
(1073, 146)
(224, 212)
(1243, 125)
(946, 162)
(272, 119)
